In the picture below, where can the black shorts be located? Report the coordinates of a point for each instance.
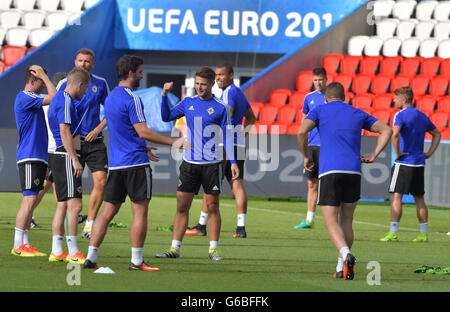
(94, 154)
(407, 179)
(239, 155)
(313, 153)
(66, 185)
(337, 188)
(32, 175)
(49, 175)
(192, 176)
(136, 182)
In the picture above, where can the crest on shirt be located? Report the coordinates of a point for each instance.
(94, 89)
(210, 110)
(312, 102)
(191, 108)
(36, 182)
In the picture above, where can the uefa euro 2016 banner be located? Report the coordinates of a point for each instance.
(263, 26)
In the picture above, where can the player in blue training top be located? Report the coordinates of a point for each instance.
(32, 154)
(65, 123)
(239, 108)
(129, 163)
(313, 100)
(340, 126)
(206, 118)
(410, 126)
(93, 150)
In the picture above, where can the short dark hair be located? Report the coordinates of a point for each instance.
(319, 71)
(127, 63)
(406, 92)
(86, 51)
(207, 73)
(78, 74)
(58, 77)
(29, 74)
(228, 67)
(335, 90)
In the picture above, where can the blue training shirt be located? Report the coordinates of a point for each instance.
(30, 120)
(340, 126)
(89, 105)
(206, 120)
(63, 111)
(414, 124)
(123, 109)
(234, 97)
(313, 100)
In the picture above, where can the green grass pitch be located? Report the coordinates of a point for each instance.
(273, 258)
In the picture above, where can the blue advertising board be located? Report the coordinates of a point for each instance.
(260, 26)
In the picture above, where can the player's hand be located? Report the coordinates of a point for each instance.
(168, 86)
(308, 164)
(427, 155)
(182, 143)
(77, 168)
(401, 155)
(234, 171)
(150, 154)
(367, 158)
(38, 71)
(91, 136)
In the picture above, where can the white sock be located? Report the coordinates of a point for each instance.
(344, 252)
(310, 216)
(26, 242)
(57, 245)
(92, 254)
(241, 219)
(213, 244)
(18, 237)
(89, 223)
(72, 244)
(203, 218)
(394, 227)
(340, 265)
(176, 244)
(423, 227)
(136, 256)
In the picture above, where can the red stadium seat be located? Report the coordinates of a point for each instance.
(428, 136)
(362, 101)
(380, 84)
(389, 65)
(297, 99)
(410, 66)
(349, 64)
(345, 80)
(361, 84)
(368, 110)
(399, 81)
(444, 104)
(383, 115)
(426, 103)
(268, 114)
(2, 67)
(370, 133)
(331, 63)
(430, 66)
(419, 84)
(13, 54)
(286, 115)
(279, 97)
(349, 96)
(369, 65)
(258, 128)
(293, 129)
(277, 128)
(438, 85)
(256, 107)
(382, 101)
(304, 81)
(446, 134)
(445, 68)
(439, 119)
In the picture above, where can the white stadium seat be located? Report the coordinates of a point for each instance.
(39, 36)
(2, 35)
(25, 5)
(89, 3)
(17, 36)
(56, 20)
(386, 28)
(5, 4)
(410, 47)
(442, 31)
(428, 48)
(442, 11)
(33, 19)
(391, 46)
(424, 29)
(403, 9)
(72, 5)
(405, 29)
(373, 46)
(356, 45)
(383, 8)
(74, 18)
(10, 18)
(48, 5)
(425, 9)
(444, 49)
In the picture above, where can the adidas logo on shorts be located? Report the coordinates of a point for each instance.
(215, 188)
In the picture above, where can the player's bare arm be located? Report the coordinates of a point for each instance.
(302, 139)
(69, 145)
(39, 73)
(94, 133)
(435, 140)
(383, 139)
